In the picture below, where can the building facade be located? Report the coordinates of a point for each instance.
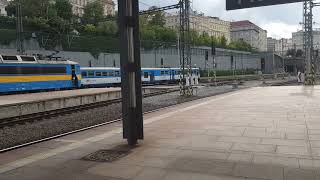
(250, 33)
(297, 39)
(109, 7)
(283, 45)
(3, 4)
(78, 6)
(213, 26)
(271, 44)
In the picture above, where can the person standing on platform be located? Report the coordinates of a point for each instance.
(299, 76)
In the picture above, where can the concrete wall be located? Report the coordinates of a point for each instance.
(149, 58)
(273, 63)
(153, 59)
(49, 104)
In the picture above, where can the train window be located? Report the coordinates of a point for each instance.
(10, 58)
(105, 74)
(98, 74)
(166, 72)
(84, 74)
(90, 73)
(31, 70)
(162, 73)
(146, 75)
(117, 73)
(28, 58)
(111, 73)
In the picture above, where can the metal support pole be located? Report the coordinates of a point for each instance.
(308, 41)
(214, 70)
(20, 48)
(130, 71)
(186, 88)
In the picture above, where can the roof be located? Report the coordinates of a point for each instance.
(99, 68)
(108, 2)
(244, 24)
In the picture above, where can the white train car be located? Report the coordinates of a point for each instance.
(107, 76)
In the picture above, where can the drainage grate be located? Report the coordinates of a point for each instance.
(106, 155)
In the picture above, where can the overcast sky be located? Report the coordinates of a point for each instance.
(280, 21)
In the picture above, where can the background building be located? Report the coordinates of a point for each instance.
(3, 4)
(250, 33)
(297, 39)
(271, 44)
(203, 24)
(109, 7)
(283, 45)
(78, 6)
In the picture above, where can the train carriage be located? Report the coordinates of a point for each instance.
(106, 76)
(26, 73)
(100, 77)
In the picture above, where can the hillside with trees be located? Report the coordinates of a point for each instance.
(55, 25)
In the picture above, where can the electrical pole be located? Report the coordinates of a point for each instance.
(184, 44)
(213, 53)
(186, 88)
(19, 24)
(308, 41)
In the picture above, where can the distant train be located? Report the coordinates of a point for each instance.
(104, 76)
(27, 73)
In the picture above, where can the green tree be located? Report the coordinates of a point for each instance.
(108, 28)
(93, 13)
(11, 8)
(90, 29)
(223, 42)
(63, 9)
(158, 18)
(30, 8)
(291, 52)
(240, 45)
(59, 25)
(299, 53)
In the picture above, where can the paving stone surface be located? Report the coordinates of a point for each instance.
(269, 133)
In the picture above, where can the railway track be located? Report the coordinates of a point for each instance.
(59, 112)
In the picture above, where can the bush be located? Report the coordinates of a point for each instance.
(90, 29)
(107, 28)
(7, 36)
(7, 22)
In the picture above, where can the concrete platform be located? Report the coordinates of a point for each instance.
(23, 104)
(266, 133)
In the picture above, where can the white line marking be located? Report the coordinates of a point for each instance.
(34, 158)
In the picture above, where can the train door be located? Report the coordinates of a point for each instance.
(151, 76)
(263, 65)
(74, 76)
(172, 75)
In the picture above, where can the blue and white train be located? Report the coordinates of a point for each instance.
(104, 76)
(26, 73)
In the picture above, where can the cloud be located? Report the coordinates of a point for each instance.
(280, 30)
